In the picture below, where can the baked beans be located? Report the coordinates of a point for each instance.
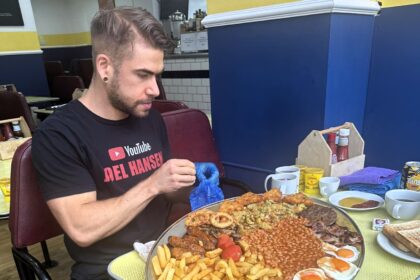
(289, 245)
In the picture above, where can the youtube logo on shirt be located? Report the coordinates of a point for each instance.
(116, 153)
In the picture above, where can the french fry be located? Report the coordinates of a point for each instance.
(177, 278)
(259, 274)
(192, 259)
(222, 264)
(167, 251)
(179, 272)
(219, 274)
(182, 264)
(244, 245)
(234, 269)
(193, 272)
(214, 253)
(170, 275)
(161, 256)
(165, 272)
(156, 266)
(255, 269)
(202, 265)
(214, 276)
(186, 255)
(203, 273)
(229, 273)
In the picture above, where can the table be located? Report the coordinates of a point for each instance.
(5, 168)
(43, 111)
(377, 263)
(31, 100)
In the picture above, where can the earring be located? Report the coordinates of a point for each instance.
(105, 79)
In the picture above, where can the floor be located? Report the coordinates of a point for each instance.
(56, 248)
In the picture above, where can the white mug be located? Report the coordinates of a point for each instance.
(286, 183)
(328, 185)
(289, 170)
(402, 204)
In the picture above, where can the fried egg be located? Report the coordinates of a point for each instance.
(347, 253)
(337, 268)
(310, 274)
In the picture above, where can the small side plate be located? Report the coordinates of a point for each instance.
(335, 199)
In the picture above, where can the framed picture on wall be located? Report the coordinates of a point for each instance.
(10, 14)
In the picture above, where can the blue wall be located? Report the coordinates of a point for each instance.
(272, 82)
(268, 85)
(392, 121)
(26, 71)
(348, 69)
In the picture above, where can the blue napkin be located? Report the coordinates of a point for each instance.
(208, 190)
(378, 189)
(369, 175)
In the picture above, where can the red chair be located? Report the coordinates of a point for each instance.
(168, 105)
(190, 137)
(30, 219)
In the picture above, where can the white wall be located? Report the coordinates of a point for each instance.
(152, 6)
(63, 16)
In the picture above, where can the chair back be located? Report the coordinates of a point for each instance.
(30, 220)
(64, 86)
(84, 69)
(168, 105)
(190, 137)
(52, 70)
(13, 105)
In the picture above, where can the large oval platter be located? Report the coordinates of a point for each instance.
(178, 229)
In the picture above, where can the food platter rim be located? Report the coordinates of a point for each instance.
(316, 200)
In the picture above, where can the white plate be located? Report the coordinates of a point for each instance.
(335, 198)
(385, 244)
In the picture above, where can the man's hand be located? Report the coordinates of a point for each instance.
(173, 175)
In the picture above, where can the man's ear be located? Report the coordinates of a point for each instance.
(104, 67)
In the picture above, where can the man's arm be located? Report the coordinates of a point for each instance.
(87, 220)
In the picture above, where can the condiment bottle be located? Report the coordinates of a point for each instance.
(6, 131)
(343, 144)
(333, 146)
(17, 131)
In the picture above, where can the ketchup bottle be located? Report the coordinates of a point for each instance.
(343, 144)
(333, 146)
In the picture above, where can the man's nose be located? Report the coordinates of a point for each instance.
(153, 88)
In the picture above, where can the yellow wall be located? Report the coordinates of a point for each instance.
(221, 6)
(18, 41)
(71, 39)
(394, 3)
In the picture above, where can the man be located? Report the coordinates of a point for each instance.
(103, 161)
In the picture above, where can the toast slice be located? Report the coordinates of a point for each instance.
(410, 238)
(390, 231)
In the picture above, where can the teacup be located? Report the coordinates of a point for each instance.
(328, 185)
(285, 182)
(402, 204)
(289, 170)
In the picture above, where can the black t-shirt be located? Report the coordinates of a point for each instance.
(75, 151)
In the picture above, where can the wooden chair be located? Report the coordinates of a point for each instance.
(30, 219)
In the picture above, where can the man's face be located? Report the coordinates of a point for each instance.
(133, 84)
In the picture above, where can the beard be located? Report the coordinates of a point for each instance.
(118, 101)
